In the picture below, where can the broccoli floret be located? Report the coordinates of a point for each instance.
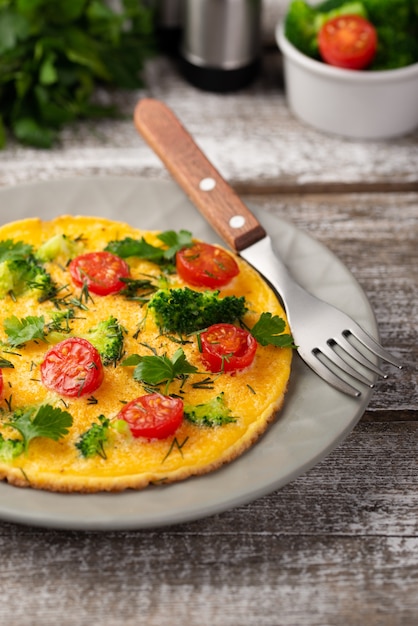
(107, 337)
(21, 274)
(21, 271)
(10, 448)
(92, 442)
(303, 21)
(394, 49)
(212, 413)
(396, 23)
(184, 311)
(390, 12)
(57, 246)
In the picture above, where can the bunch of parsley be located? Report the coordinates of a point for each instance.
(54, 54)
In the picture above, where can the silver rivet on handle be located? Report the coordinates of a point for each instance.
(237, 221)
(207, 184)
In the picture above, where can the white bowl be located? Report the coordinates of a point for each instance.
(358, 104)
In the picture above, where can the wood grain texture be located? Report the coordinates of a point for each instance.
(174, 145)
(336, 547)
(250, 136)
(339, 545)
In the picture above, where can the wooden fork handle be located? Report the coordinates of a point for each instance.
(198, 178)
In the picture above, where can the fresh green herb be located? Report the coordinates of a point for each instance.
(4, 363)
(175, 241)
(138, 289)
(185, 311)
(268, 330)
(155, 370)
(92, 442)
(60, 321)
(54, 55)
(20, 331)
(175, 445)
(46, 421)
(213, 413)
(140, 248)
(11, 250)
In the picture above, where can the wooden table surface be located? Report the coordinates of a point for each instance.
(337, 546)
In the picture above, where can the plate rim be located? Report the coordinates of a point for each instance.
(57, 520)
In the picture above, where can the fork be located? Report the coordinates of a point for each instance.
(328, 340)
(331, 343)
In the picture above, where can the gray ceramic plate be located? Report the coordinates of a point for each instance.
(315, 417)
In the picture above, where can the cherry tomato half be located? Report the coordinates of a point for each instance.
(153, 416)
(72, 368)
(100, 271)
(348, 41)
(205, 265)
(227, 348)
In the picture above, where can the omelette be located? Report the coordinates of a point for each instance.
(129, 357)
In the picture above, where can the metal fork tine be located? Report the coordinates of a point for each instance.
(331, 378)
(337, 360)
(373, 346)
(359, 357)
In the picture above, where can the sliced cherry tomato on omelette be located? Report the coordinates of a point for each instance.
(153, 416)
(72, 368)
(227, 348)
(348, 41)
(100, 271)
(204, 265)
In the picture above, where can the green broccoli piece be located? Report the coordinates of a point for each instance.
(394, 49)
(185, 311)
(212, 413)
(107, 337)
(57, 246)
(396, 23)
(299, 27)
(396, 13)
(92, 442)
(20, 271)
(10, 448)
(303, 21)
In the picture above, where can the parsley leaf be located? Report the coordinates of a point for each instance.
(20, 331)
(135, 247)
(175, 241)
(143, 250)
(54, 55)
(154, 370)
(47, 421)
(11, 250)
(268, 330)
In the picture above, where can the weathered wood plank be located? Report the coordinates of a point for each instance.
(376, 236)
(337, 546)
(250, 136)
